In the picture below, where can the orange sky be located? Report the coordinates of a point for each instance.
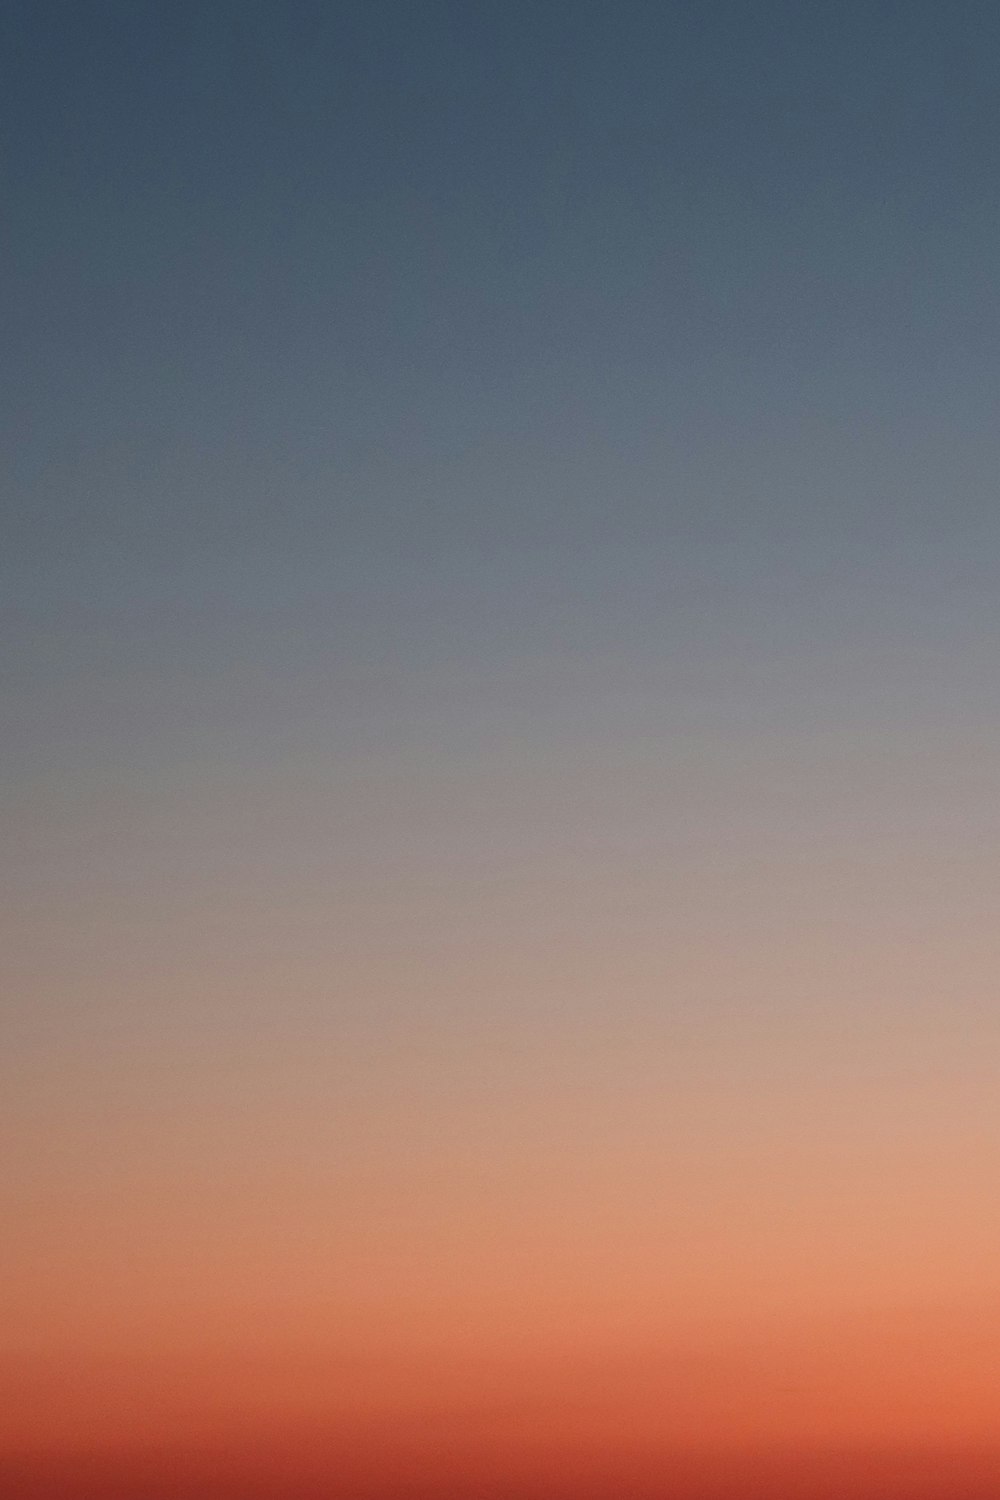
(545, 1246)
(500, 777)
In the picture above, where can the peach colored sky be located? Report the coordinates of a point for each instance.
(499, 754)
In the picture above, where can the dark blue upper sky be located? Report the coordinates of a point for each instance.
(353, 259)
(434, 331)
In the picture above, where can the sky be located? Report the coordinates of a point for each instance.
(499, 769)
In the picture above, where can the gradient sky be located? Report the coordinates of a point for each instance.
(501, 669)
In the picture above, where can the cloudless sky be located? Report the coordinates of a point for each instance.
(499, 569)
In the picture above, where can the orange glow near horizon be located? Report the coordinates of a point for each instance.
(500, 750)
(580, 1260)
